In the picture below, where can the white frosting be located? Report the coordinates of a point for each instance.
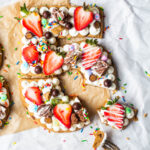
(25, 41)
(73, 32)
(34, 9)
(65, 98)
(52, 40)
(24, 30)
(84, 32)
(55, 81)
(64, 32)
(65, 67)
(126, 122)
(94, 31)
(64, 9)
(58, 71)
(71, 11)
(52, 9)
(42, 9)
(130, 115)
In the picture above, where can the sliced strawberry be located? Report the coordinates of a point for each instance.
(34, 95)
(115, 114)
(63, 113)
(52, 62)
(82, 18)
(32, 22)
(30, 54)
(1, 85)
(90, 56)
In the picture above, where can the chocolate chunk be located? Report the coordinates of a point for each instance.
(107, 83)
(71, 58)
(101, 67)
(80, 115)
(46, 14)
(68, 25)
(48, 35)
(74, 119)
(93, 78)
(38, 69)
(29, 35)
(45, 110)
(97, 24)
(55, 92)
(76, 106)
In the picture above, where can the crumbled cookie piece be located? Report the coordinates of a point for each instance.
(74, 118)
(80, 115)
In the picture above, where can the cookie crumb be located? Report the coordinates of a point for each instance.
(145, 115)
(127, 138)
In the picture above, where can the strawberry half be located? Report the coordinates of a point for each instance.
(34, 95)
(90, 56)
(32, 22)
(1, 85)
(63, 113)
(30, 54)
(115, 114)
(82, 18)
(52, 62)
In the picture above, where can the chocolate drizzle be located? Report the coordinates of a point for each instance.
(71, 58)
(101, 67)
(45, 110)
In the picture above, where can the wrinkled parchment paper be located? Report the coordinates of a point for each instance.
(10, 37)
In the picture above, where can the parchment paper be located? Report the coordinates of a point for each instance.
(10, 37)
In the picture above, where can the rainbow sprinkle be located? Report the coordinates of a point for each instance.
(147, 74)
(75, 77)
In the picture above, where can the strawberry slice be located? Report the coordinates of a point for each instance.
(82, 18)
(52, 62)
(34, 95)
(63, 113)
(32, 22)
(1, 85)
(30, 54)
(90, 56)
(115, 114)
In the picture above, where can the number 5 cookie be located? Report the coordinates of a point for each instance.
(4, 101)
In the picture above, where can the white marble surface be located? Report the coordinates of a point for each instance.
(130, 20)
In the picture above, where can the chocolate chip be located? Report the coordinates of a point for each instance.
(68, 25)
(55, 92)
(107, 83)
(48, 35)
(46, 14)
(29, 35)
(93, 77)
(38, 69)
(97, 24)
(76, 106)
